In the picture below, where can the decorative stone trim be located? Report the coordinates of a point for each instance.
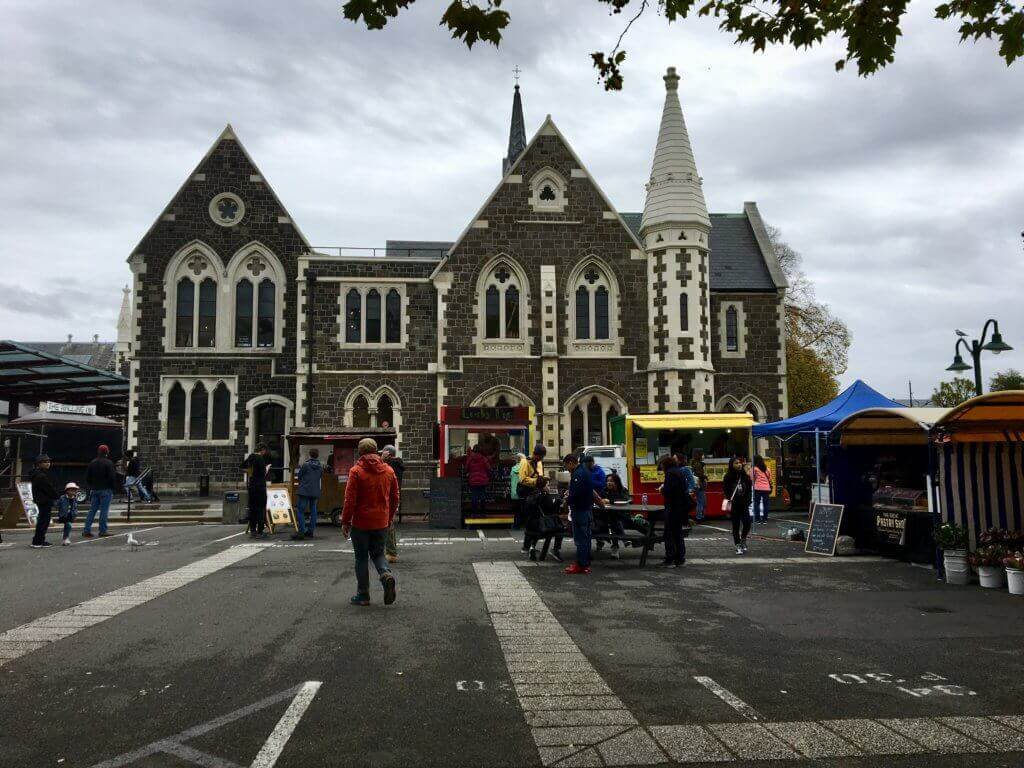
(227, 209)
(741, 330)
(363, 289)
(480, 224)
(188, 383)
(548, 191)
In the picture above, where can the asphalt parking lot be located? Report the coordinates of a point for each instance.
(196, 649)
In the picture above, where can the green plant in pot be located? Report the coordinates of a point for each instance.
(952, 540)
(1014, 565)
(989, 562)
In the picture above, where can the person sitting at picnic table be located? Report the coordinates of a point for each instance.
(541, 512)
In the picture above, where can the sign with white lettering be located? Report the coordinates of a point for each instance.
(27, 504)
(51, 407)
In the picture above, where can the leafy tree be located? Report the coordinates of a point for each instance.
(870, 28)
(950, 394)
(817, 341)
(811, 382)
(1011, 379)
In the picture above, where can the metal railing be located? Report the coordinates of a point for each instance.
(387, 252)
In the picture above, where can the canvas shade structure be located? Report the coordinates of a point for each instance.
(31, 375)
(980, 454)
(823, 420)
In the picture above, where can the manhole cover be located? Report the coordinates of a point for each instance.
(932, 609)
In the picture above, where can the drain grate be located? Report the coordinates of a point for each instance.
(931, 609)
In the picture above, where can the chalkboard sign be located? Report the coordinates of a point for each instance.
(445, 496)
(824, 529)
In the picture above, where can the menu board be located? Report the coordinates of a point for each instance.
(279, 507)
(445, 502)
(824, 529)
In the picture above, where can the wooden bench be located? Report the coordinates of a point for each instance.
(646, 540)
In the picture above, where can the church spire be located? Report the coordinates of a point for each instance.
(516, 133)
(674, 194)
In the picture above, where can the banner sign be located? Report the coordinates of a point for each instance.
(51, 407)
(29, 506)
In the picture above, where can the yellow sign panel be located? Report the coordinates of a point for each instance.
(279, 507)
(649, 473)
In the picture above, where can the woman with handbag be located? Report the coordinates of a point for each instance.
(543, 519)
(738, 489)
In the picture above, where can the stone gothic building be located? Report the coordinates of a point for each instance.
(550, 297)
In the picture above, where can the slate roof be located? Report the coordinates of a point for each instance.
(98, 354)
(736, 260)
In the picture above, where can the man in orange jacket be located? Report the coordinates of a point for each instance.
(371, 502)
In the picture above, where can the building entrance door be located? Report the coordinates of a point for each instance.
(270, 430)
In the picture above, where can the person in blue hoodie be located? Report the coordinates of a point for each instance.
(310, 474)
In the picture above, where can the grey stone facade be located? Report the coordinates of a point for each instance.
(547, 238)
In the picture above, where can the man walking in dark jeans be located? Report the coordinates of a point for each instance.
(371, 502)
(101, 479)
(256, 485)
(581, 497)
(43, 495)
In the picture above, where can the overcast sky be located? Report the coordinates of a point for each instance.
(904, 191)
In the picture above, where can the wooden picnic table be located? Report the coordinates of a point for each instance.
(647, 539)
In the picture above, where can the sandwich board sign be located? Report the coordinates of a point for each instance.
(823, 531)
(29, 506)
(279, 507)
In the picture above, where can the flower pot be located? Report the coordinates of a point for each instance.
(991, 576)
(957, 570)
(1015, 581)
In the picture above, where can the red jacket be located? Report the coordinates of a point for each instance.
(371, 494)
(478, 469)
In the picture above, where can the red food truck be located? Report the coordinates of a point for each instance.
(503, 433)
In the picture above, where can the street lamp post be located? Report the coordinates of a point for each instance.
(995, 345)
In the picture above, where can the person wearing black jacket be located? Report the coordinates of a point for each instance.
(256, 485)
(44, 493)
(738, 489)
(101, 480)
(538, 505)
(678, 503)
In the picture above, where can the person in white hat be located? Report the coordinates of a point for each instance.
(67, 510)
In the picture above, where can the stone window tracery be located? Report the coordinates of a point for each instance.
(198, 410)
(373, 315)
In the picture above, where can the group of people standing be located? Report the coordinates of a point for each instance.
(745, 489)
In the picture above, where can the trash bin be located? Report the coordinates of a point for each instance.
(204, 486)
(233, 509)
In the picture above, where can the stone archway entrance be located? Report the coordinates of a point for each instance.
(271, 424)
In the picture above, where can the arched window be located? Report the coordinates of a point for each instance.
(266, 313)
(243, 313)
(198, 404)
(393, 317)
(582, 313)
(385, 412)
(595, 423)
(207, 334)
(592, 297)
(684, 312)
(221, 412)
(373, 317)
(493, 313)
(601, 313)
(732, 343)
(185, 314)
(577, 429)
(501, 296)
(612, 413)
(361, 412)
(511, 312)
(353, 317)
(176, 413)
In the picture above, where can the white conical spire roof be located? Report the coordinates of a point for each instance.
(674, 194)
(124, 319)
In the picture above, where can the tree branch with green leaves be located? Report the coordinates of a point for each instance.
(869, 28)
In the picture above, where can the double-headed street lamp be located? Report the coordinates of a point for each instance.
(995, 345)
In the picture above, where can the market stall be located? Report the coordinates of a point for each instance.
(650, 437)
(338, 453)
(881, 471)
(979, 448)
(502, 434)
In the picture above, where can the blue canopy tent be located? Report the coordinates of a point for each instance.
(855, 397)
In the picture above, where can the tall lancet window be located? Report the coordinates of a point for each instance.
(592, 291)
(502, 310)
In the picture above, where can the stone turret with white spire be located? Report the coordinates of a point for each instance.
(123, 347)
(675, 230)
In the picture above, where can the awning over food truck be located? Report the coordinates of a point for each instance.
(891, 426)
(855, 397)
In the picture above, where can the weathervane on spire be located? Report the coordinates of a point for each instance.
(515, 73)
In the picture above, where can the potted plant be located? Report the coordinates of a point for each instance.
(989, 562)
(1014, 565)
(952, 540)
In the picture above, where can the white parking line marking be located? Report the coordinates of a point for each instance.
(16, 642)
(480, 535)
(240, 533)
(728, 697)
(274, 745)
(79, 541)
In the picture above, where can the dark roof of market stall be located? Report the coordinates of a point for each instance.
(30, 375)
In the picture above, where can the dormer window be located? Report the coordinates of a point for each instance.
(548, 191)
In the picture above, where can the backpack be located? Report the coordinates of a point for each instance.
(513, 482)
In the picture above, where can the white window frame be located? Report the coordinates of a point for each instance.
(383, 288)
(591, 347)
(581, 399)
(502, 346)
(548, 176)
(372, 399)
(188, 383)
(206, 264)
(741, 330)
(237, 270)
